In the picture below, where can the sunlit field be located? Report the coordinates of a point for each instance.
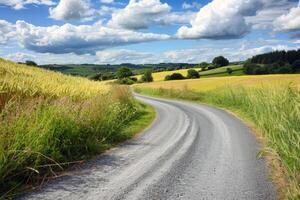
(207, 84)
(49, 120)
(31, 81)
(160, 76)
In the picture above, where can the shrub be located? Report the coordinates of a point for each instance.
(229, 71)
(220, 61)
(126, 81)
(147, 77)
(174, 76)
(191, 73)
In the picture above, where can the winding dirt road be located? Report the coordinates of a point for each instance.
(190, 152)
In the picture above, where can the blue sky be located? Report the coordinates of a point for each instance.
(145, 31)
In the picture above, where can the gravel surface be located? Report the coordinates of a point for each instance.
(191, 151)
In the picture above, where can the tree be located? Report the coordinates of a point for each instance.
(220, 61)
(30, 63)
(124, 72)
(191, 73)
(174, 76)
(296, 66)
(229, 71)
(147, 77)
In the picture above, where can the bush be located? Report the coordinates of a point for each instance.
(220, 61)
(229, 71)
(147, 77)
(193, 74)
(124, 72)
(174, 76)
(126, 81)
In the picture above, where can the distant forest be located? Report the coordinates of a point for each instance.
(277, 62)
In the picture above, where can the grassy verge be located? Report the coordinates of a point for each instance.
(275, 111)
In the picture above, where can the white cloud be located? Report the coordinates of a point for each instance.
(197, 55)
(178, 18)
(20, 4)
(221, 19)
(107, 1)
(139, 14)
(20, 57)
(192, 5)
(78, 39)
(123, 56)
(264, 18)
(289, 21)
(7, 31)
(72, 9)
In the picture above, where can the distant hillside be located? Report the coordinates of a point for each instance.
(91, 69)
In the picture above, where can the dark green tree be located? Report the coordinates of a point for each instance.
(296, 66)
(220, 61)
(124, 72)
(147, 76)
(174, 76)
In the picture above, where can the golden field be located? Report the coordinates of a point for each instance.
(31, 81)
(207, 84)
(49, 120)
(160, 76)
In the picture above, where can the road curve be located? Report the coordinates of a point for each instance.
(191, 151)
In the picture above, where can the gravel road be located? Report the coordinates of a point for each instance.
(191, 151)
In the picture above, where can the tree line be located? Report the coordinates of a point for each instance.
(277, 62)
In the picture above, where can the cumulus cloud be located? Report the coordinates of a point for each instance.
(139, 14)
(20, 57)
(123, 56)
(20, 4)
(289, 21)
(72, 9)
(78, 39)
(192, 5)
(207, 54)
(265, 17)
(221, 19)
(7, 31)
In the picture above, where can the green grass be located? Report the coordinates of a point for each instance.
(222, 71)
(275, 111)
(49, 121)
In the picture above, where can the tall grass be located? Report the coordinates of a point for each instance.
(49, 121)
(274, 110)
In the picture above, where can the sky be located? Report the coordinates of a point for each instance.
(145, 31)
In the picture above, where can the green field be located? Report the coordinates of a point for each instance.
(271, 103)
(237, 70)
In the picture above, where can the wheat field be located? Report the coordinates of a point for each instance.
(160, 76)
(32, 81)
(208, 84)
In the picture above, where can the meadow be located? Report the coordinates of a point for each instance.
(237, 70)
(270, 103)
(49, 121)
